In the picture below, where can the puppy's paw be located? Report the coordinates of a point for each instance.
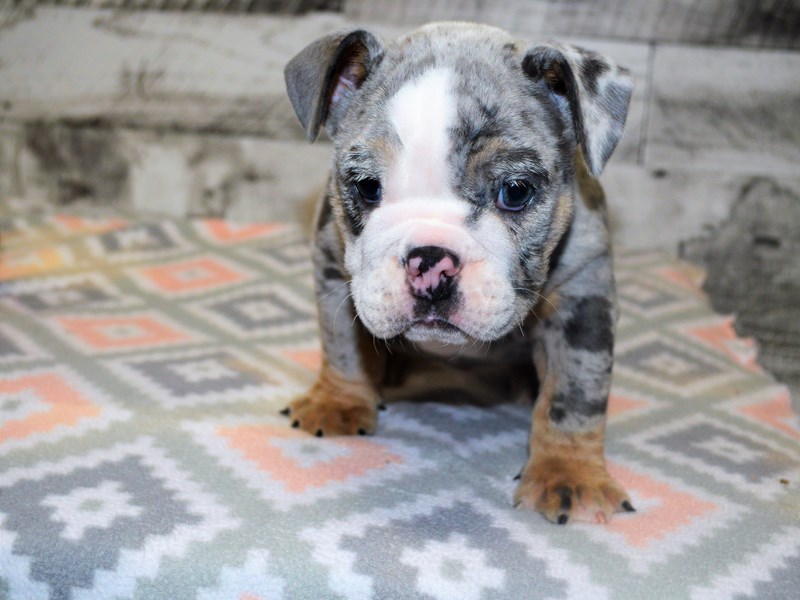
(566, 490)
(335, 406)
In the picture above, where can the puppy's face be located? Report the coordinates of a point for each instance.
(453, 181)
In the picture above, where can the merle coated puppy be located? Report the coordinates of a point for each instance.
(462, 215)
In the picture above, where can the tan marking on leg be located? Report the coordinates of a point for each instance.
(336, 406)
(547, 307)
(566, 477)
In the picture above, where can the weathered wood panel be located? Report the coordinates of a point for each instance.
(768, 24)
(243, 178)
(223, 6)
(162, 71)
(725, 109)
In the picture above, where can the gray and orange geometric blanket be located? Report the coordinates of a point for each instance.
(143, 365)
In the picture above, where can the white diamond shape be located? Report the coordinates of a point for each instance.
(107, 501)
(453, 569)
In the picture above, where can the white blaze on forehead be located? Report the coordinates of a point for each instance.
(422, 113)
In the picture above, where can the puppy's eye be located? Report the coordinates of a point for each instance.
(515, 194)
(369, 189)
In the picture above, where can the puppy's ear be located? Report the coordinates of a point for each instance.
(594, 91)
(322, 79)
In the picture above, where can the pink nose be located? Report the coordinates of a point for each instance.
(431, 271)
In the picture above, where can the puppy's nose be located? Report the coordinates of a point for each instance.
(431, 270)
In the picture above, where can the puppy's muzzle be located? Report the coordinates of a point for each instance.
(432, 272)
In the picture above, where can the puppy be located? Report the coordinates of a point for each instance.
(462, 215)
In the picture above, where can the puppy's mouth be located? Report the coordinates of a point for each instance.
(435, 328)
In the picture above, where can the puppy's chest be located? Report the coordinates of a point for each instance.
(477, 375)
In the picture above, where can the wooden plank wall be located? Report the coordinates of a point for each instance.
(750, 23)
(289, 7)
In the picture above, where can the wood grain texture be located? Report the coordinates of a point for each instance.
(770, 24)
(725, 109)
(161, 71)
(208, 6)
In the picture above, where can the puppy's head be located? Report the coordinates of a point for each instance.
(453, 174)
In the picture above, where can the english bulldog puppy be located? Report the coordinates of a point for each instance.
(463, 222)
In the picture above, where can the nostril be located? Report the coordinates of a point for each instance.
(413, 266)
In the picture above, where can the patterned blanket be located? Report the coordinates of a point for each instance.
(143, 365)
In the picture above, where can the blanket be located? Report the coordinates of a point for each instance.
(143, 365)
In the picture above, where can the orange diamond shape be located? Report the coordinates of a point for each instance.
(721, 336)
(225, 232)
(89, 224)
(113, 333)
(619, 404)
(25, 263)
(662, 509)
(685, 275)
(356, 456)
(66, 405)
(192, 275)
(775, 412)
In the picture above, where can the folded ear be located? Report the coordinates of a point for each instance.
(322, 79)
(594, 91)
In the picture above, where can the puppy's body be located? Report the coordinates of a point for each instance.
(462, 220)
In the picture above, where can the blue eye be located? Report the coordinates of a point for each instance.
(369, 189)
(515, 194)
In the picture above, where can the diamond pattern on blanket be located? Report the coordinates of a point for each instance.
(184, 378)
(64, 293)
(770, 407)
(112, 333)
(119, 509)
(254, 580)
(728, 454)
(664, 363)
(224, 232)
(10, 346)
(138, 241)
(199, 274)
(77, 294)
(670, 517)
(143, 364)
(782, 581)
(770, 571)
(647, 298)
(90, 507)
(453, 564)
(79, 224)
(288, 467)
(139, 238)
(18, 263)
(261, 311)
(49, 404)
(286, 255)
(448, 545)
(718, 334)
(626, 404)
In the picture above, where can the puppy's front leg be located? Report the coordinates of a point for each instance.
(344, 399)
(566, 477)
